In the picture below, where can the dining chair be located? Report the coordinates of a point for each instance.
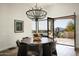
(53, 47)
(18, 43)
(36, 50)
(47, 51)
(22, 48)
(25, 37)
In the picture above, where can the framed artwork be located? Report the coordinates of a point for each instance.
(18, 26)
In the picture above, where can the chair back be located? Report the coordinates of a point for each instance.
(53, 48)
(25, 37)
(47, 49)
(36, 49)
(53, 45)
(18, 43)
(22, 49)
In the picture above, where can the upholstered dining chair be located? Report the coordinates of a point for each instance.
(53, 47)
(36, 50)
(18, 43)
(49, 49)
(25, 38)
(22, 48)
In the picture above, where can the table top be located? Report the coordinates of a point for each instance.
(43, 40)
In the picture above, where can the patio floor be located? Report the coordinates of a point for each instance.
(65, 41)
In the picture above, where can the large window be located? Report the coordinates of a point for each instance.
(42, 25)
(33, 25)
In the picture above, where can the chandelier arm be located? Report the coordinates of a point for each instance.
(30, 15)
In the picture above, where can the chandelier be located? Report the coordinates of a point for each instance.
(36, 14)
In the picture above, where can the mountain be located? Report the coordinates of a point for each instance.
(59, 29)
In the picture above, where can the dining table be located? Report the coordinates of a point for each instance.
(42, 44)
(30, 40)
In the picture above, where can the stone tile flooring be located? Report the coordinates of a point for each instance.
(66, 41)
(62, 50)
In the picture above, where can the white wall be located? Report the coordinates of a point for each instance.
(9, 12)
(66, 9)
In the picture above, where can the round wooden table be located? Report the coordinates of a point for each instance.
(43, 41)
(42, 47)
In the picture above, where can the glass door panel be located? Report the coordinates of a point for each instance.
(50, 26)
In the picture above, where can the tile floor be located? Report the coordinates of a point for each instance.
(62, 50)
(66, 41)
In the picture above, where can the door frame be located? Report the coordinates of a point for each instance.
(63, 17)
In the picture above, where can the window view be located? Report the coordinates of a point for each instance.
(33, 25)
(64, 31)
(42, 27)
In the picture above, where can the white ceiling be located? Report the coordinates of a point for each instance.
(28, 6)
(42, 5)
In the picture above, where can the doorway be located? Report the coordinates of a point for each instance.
(63, 29)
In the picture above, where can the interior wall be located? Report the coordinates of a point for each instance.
(65, 9)
(8, 13)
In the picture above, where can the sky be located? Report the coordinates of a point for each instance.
(58, 23)
(62, 23)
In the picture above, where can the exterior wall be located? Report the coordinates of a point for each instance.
(68, 35)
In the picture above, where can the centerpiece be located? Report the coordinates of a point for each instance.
(36, 37)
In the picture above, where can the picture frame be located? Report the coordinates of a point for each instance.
(18, 26)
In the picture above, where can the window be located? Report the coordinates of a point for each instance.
(42, 27)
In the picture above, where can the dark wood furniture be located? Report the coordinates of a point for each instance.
(22, 48)
(49, 49)
(43, 41)
(38, 48)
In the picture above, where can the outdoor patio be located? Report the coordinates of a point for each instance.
(65, 41)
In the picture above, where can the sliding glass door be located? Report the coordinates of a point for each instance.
(56, 32)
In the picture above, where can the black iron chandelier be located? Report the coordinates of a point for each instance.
(36, 14)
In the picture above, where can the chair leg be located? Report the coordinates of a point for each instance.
(19, 52)
(55, 52)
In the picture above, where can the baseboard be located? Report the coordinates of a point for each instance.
(8, 49)
(11, 48)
